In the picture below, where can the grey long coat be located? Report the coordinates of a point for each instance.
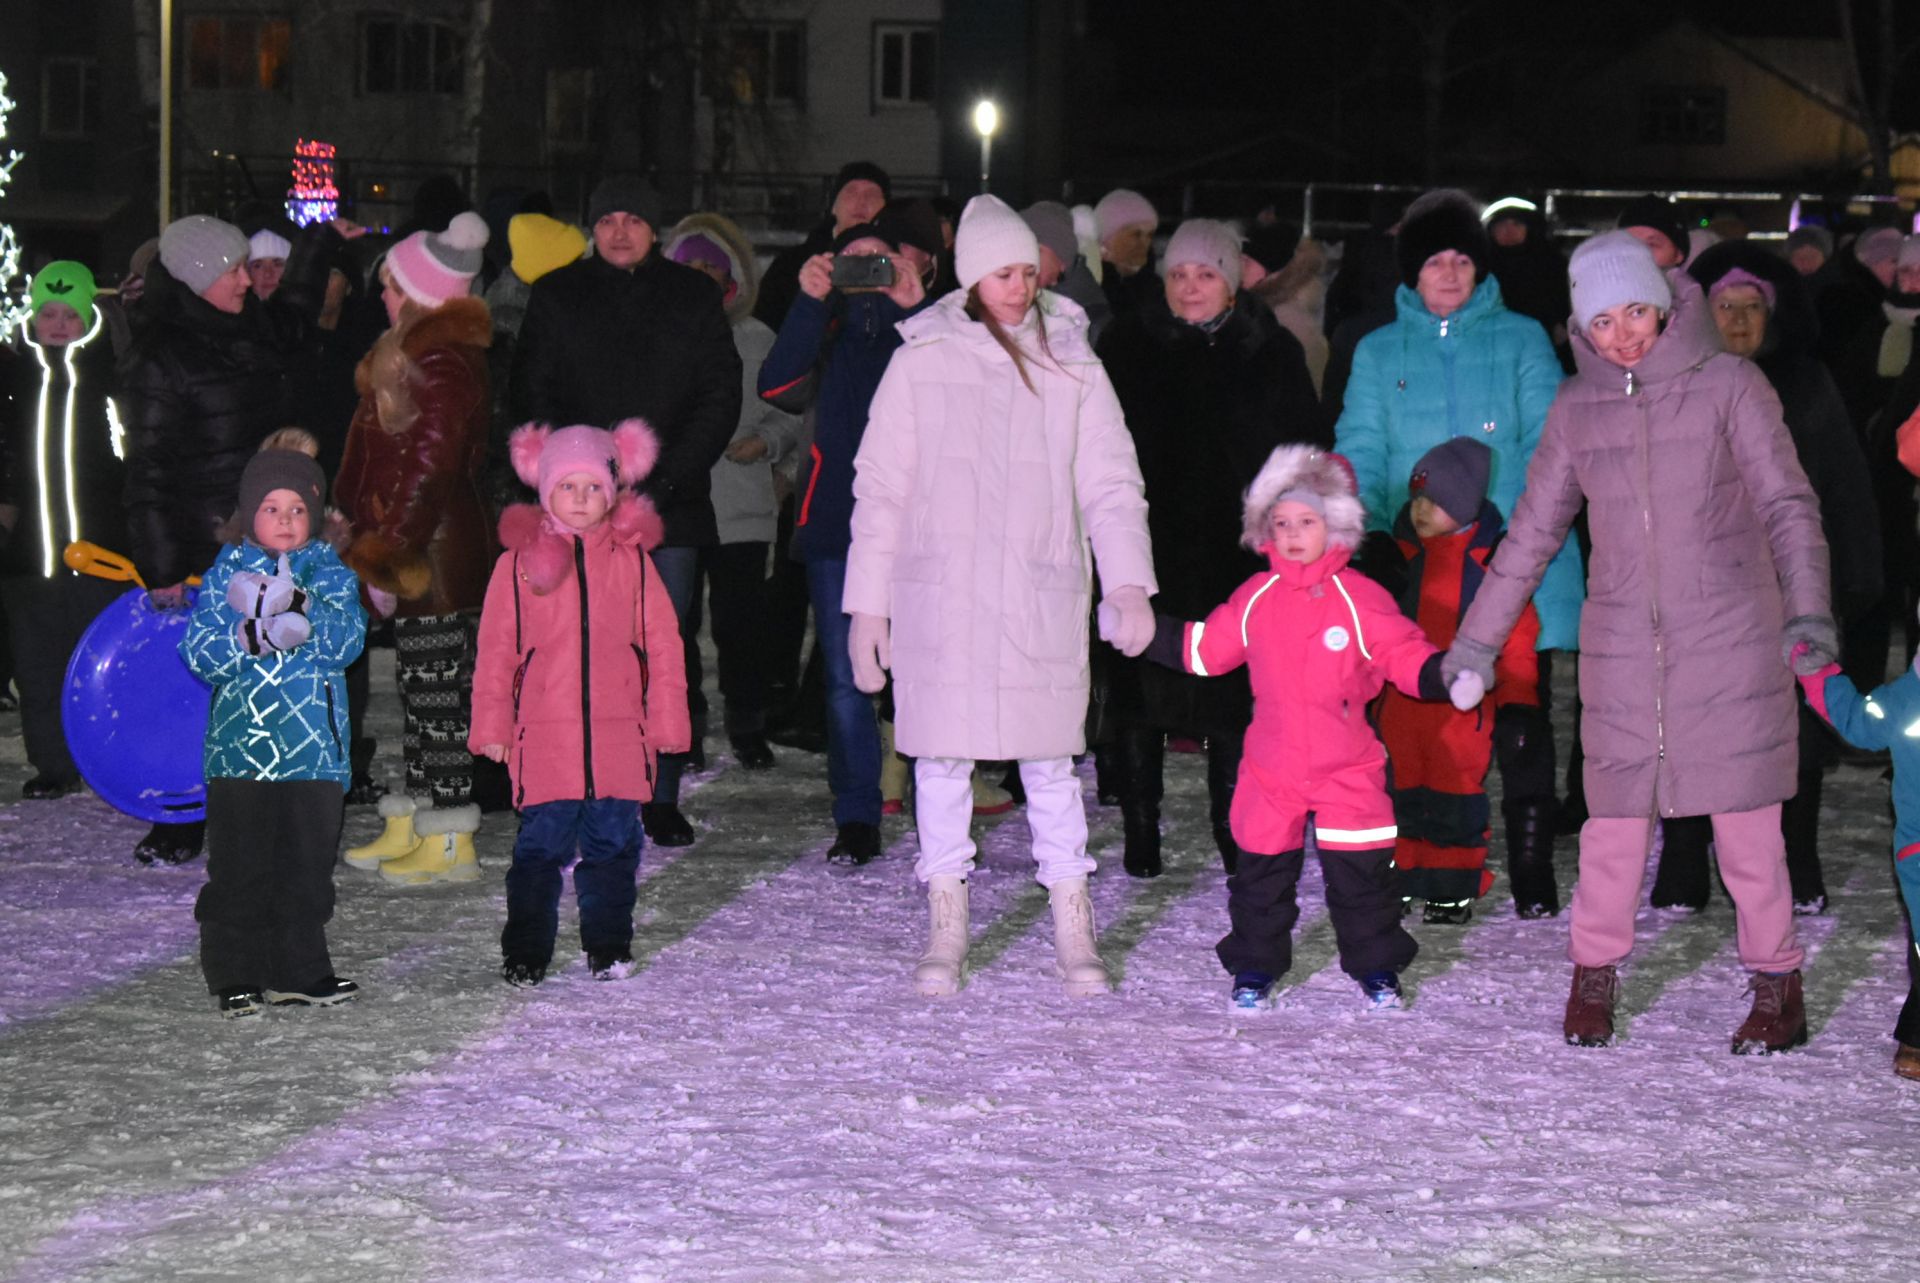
(1706, 539)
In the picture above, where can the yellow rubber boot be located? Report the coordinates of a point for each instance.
(989, 798)
(396, 840)
(444, 852)
(895, 774)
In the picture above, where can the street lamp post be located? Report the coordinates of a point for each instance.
(986, 119)
(166, 112)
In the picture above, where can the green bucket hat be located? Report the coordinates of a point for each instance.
(66, 282)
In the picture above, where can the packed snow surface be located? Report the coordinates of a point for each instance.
(767, 1100)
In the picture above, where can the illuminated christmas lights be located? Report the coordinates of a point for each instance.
(313, 198)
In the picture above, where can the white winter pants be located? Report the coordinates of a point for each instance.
(1056, 816)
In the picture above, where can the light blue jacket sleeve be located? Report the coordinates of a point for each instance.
(1361, 433)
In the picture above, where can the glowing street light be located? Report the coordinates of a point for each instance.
(986, 119)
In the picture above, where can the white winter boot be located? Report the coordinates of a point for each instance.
(1082, 974)
(396, 840)
(938, 974)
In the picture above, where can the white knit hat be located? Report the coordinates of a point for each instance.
(1611, 269)
(1207, 243)
(991, 236)
(1123, 208)
(267, 243)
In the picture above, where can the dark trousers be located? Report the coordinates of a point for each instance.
(45, 618)
(1526, 761)
(785, 627)
(1363, 901)
(679, 569)
(607, 836)
(736, 575)
(269, 894)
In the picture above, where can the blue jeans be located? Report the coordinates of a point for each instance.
(606, 832)
(853, 734)
(680, 574)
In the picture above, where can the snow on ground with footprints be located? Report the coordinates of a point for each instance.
(767, 1100)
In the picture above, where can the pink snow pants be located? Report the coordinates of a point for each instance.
(1753, 863)
(1056, 816)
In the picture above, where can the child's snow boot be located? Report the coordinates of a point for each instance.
(444, 852)
(1140, 823)
(1906, 1061)
(1589, 1019)
(989, 798)
(1778, 1021)
(1530, 859)
(396, 840)
(1684, 879)
(1382, 989)
(938, 974)
(896, 777)
(1252, 991)
(1076, 958)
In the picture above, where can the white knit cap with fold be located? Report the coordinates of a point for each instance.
(991, 236)
(1611, 269)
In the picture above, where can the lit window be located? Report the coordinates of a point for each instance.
(238, 53)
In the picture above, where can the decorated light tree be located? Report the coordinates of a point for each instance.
(313, 198)
(13, 301)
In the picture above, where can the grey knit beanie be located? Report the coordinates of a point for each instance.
(271, 470)
(1207, 243)
(198, 250)
(1052, 225)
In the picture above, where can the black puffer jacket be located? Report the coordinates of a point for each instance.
(1533, 280)
(601, 344)
(198, 391)
(35, 478)
(1823, 436)
(1205, 411)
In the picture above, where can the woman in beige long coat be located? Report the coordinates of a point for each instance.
(1708, 586)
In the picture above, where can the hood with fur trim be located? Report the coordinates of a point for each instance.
(725, 233)
(1305, 467)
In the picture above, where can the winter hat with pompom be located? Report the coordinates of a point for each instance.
(622, 457)
(991, 236)
(1614, 268)
(1207, 243)
(433, 268)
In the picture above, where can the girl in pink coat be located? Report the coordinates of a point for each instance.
(580, 685)
(995, 454)
(1319, 642)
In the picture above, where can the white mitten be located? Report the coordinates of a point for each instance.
(870, 645)
(1467, 690)
(257, 596)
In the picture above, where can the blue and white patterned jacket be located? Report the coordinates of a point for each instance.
(282, 716)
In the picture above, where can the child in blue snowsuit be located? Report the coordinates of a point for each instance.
(1888, 719)
(278, 621)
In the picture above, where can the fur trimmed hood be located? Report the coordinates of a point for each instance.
(1321, 472)
(725, 233)
(545, 549)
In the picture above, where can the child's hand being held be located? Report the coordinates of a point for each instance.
(1466, 690)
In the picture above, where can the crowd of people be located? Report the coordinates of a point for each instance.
(1049, 483)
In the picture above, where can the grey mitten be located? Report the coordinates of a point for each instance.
(1468, 656)
(261, 637)
(257, 596)
(1818, 636)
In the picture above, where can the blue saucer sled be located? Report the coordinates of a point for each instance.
(135, 715)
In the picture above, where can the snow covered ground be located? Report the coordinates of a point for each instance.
(766, 1099)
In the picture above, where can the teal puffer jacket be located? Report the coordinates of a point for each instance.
(1483, 372)
(282, 716)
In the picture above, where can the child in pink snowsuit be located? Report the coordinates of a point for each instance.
(1319, 641)
(580, 685)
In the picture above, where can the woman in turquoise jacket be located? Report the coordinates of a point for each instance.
(1457, 363)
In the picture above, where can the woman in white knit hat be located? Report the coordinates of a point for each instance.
(995, 453)
(410, 485)
(1708, 591)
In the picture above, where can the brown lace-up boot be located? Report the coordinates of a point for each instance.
(1778, 1020)
(1590, 1006)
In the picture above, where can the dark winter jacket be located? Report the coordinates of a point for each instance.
(198, 392)
(1824, 440)
(1205, 411)
(601, 344)
(281, 716)
(1533, 281)
(1131, 293)
(1847, 299)
(59, 459)
(831, 352)
(780, 286)
(409, 483)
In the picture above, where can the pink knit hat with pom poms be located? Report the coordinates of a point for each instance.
(542, 456)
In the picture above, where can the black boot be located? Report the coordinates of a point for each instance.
(1800, 825)
(1142, 754)
(1530, 830)
(1684, 879)
(1223, 771)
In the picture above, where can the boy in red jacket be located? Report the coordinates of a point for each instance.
(1439, 754)
(580, 685)
(1319, 642)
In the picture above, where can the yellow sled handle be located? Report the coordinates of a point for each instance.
(87, 558)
